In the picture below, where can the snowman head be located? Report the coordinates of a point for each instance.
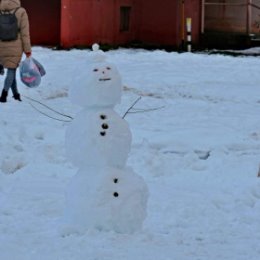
(99, 85)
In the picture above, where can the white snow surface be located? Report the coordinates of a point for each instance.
(199, 156)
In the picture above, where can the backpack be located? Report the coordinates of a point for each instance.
(8, 26)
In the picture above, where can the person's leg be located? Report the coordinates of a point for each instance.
(10, 76)
(16, 94)
(2, 70)
(10, 82)
(14, 87)
(3, 97)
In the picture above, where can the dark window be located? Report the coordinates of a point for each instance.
(125, 18)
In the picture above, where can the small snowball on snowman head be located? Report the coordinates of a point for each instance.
(97, 54)
(95, 47)
(99, 82)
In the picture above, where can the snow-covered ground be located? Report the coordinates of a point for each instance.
(199, 156)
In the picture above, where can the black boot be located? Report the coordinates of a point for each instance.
(17, 96)
(3, 96)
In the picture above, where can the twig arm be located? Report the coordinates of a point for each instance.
(131, 107)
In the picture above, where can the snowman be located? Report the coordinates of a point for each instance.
(105, 194)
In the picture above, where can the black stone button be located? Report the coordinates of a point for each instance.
(103, 133)
(105, 126)
(103, 117)
(115, 180)
(116, 194)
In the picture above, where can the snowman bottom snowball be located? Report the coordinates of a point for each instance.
(105, 199)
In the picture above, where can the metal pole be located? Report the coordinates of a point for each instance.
(249, 16)
(188, 27)
(182, 24)
(202, 16)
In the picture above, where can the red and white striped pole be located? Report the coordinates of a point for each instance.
(188, 29)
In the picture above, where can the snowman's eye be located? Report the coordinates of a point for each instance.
(95, 70)
(108, 68)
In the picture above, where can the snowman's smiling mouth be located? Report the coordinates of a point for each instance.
(104, 79)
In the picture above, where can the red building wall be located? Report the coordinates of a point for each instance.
(44, 19)
(85, 22)
(126, 36)
(164, 22)
(158, 21)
